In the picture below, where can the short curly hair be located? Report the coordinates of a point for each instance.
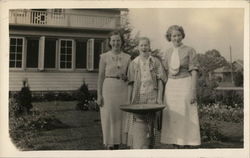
(177, 28)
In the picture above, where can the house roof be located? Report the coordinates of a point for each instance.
(238, 64)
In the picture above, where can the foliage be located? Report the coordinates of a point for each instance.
(211, 114)
(230, 97)
(49, 96)
(23, 100)
(238, 79)
(221, 112)
(65, 96)
(86, 100)
(206, 90)
(210, 132)
(20, 126)
(210, 61)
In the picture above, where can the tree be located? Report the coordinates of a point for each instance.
(211, 60)
(130, 43)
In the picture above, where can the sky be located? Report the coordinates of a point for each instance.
(205, 28)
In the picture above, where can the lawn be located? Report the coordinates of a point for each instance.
(82, 131)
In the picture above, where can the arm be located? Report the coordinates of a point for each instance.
(160, 92)
(130, 75)
(130, 90)
(193, 68)
(193, 86)
(101, 77)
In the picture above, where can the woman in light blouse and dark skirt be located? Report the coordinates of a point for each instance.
(112, 92)
(180, 122)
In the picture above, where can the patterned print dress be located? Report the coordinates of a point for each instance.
(144, 76)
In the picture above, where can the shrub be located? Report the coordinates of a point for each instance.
(23, 100)
(230, 98)
(210, 132)
(86, 99)
(23, 127)
(206, 90)
(49, 96)
(211, 114)
(83, 96)
(221, 112)
(238, 79)
(65, 96)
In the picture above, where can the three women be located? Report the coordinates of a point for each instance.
(180, 123)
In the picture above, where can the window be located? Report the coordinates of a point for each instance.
(66, 54)
(81, 54)
(97, 52)
(50, 53)
(16, 52)
(32, 53)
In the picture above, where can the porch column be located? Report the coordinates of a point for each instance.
(41, 53)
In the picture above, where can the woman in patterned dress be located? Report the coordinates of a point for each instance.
(145, 78)
(180, 123)
(112, 91)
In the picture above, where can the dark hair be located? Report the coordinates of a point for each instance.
(115, 33)
(177, 28)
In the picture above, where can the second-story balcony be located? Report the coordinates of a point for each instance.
(50, 18)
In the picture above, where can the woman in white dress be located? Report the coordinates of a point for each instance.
(112, 92)
(180, 122)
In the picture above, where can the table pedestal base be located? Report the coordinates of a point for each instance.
(141, 138)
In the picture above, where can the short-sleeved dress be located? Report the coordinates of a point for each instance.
(180, 122)
(114, 94)
(144, 74)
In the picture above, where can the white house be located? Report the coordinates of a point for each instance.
(55, 49)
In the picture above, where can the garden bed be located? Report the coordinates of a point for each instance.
(81, 130)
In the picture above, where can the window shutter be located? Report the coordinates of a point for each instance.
(90, 55)
(41, 53)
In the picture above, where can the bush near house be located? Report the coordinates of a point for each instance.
(86, 100)
(22, 101)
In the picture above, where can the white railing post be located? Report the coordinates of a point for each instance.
(48, 18)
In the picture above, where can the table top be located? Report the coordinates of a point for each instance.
(142, 108)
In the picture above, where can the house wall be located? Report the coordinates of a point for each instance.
(52, 81)
(59, 80)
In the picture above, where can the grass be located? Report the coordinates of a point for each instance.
(84, 131)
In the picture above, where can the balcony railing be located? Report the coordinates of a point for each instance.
(49, 18)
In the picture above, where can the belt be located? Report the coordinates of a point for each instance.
(118, 78)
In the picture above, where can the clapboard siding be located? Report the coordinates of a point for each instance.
(52, 81)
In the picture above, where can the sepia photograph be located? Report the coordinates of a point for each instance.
(124, 78)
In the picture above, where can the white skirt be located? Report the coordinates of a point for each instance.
(112, 118)
(180, 122)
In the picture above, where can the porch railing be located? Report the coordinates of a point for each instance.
(49, 18)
